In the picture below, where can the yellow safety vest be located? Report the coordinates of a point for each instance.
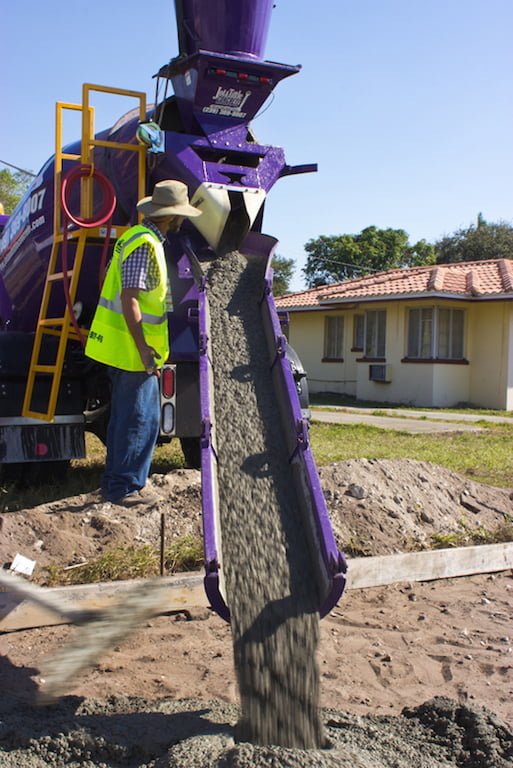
(109, 340)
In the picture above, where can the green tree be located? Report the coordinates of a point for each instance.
(283, 271)
(477, 242)
(12, 188)
(341, 257)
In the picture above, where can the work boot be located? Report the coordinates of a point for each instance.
(145, 497)
(97, 495)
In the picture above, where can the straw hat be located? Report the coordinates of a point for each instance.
(169, 198)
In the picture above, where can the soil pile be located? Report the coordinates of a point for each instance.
(382, 506)
(74, 530)
(376, 507)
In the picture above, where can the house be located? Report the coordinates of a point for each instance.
(430, 336)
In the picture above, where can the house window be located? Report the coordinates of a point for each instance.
(435, 334)
(375, 333)
(420, 333)
(450, 334)
(333, 338)
(358, 331)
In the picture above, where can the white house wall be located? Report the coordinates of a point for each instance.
(489, 354)
(451, 385)
(306, 334)
(487, 380)
(509, 383)
(410, 384)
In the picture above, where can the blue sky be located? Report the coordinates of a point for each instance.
(406, 105)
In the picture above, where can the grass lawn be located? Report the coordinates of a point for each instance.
(486, 456)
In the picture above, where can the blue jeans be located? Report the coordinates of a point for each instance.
(132, 432)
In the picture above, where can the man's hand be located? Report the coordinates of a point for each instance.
(133, 317)
(149, 357)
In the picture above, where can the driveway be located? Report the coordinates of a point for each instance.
(406, 420)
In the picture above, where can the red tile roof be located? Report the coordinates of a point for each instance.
(469, 279)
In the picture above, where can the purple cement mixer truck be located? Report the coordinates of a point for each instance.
(55, 245)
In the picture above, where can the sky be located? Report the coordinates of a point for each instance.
(406, 105)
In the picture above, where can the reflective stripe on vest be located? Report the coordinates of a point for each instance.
(116, 306)
(109, 340)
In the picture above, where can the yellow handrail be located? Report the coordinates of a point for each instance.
(62, 327)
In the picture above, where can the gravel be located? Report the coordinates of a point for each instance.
(125, 732)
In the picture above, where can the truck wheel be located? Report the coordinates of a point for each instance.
(191, 451)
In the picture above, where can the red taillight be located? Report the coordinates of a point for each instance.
(220, 71)
(168, 382)
(265, 80)
(41, 449)
(243, 75)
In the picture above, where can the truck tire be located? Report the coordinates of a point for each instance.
(191, 451)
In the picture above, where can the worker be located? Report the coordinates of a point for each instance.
(129, 334)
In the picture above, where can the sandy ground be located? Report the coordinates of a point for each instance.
(383, 652)
(381, 649)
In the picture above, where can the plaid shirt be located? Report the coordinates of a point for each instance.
(140, 269)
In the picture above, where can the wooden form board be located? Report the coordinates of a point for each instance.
(186, 590)
(428, 566)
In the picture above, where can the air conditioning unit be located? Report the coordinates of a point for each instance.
(380, 373)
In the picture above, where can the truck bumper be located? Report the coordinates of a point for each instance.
(29, 441)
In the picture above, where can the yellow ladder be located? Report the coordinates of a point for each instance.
(62, 327)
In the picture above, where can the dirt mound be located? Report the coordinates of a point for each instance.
(376, 507)
(74, 530)
(381, 506)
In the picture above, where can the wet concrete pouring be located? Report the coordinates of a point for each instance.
(270, 584)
